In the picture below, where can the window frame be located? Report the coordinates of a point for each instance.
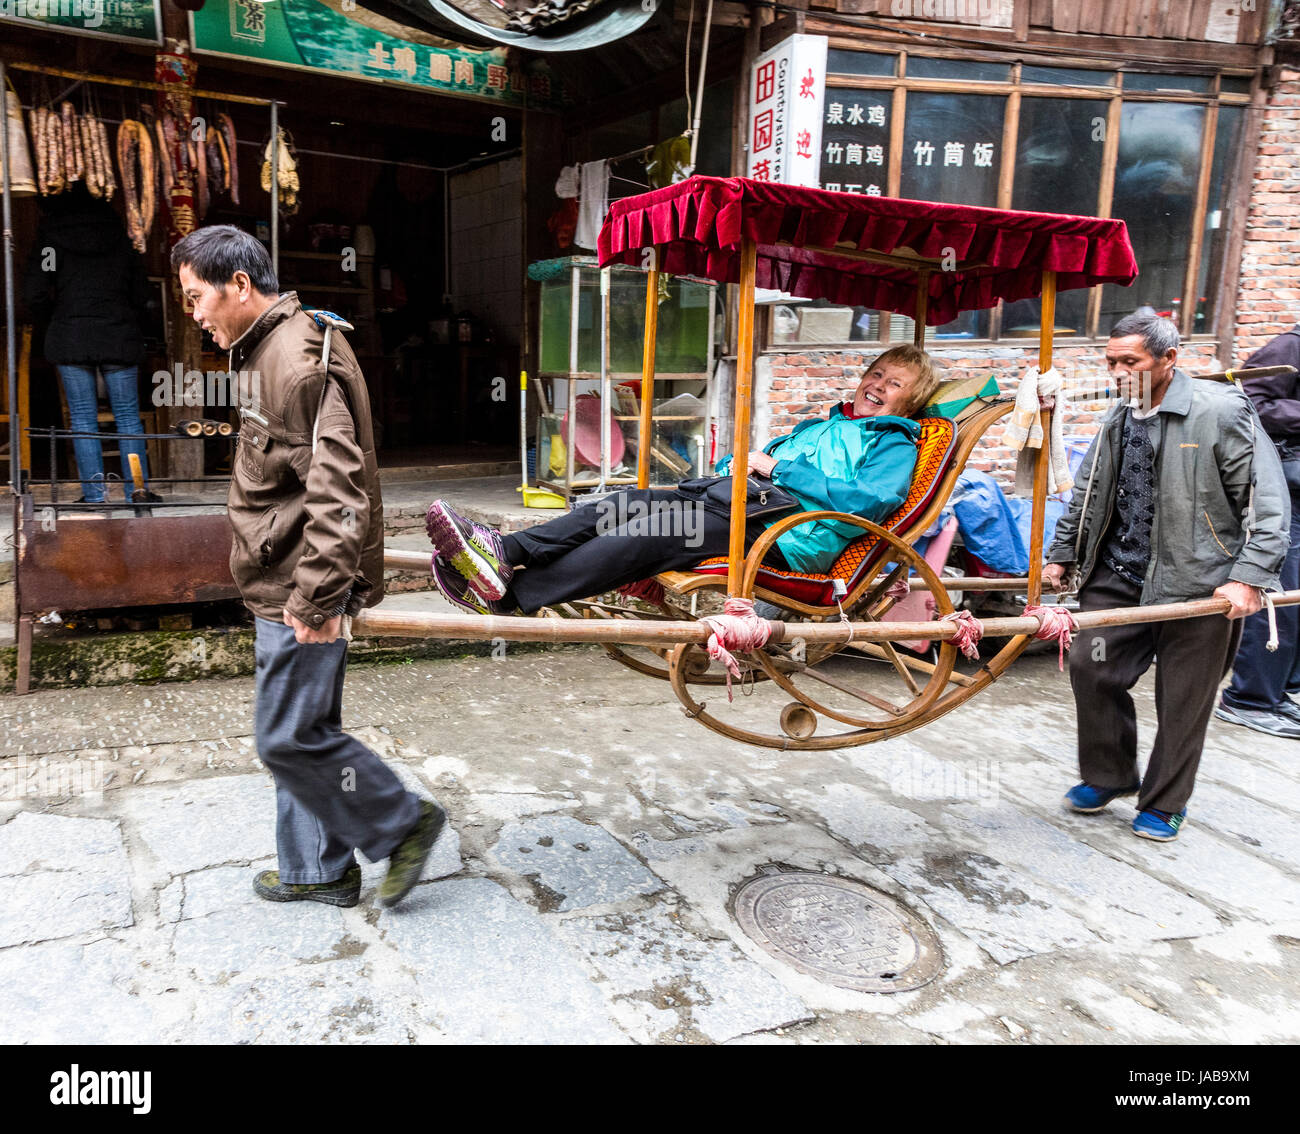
(1114, 95)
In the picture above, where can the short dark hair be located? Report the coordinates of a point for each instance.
(1159, 335)
(217, 252)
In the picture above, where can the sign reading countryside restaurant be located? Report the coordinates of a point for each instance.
(137, 20)
(787, 89)
(342, 37)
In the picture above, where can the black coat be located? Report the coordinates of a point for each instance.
(84, 276)
(1277, 398)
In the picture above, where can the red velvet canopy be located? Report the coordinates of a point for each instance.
(807, 239)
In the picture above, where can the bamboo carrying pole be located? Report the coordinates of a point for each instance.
(740, 430)
(404, 624)
(1046, 330)
(648, 373)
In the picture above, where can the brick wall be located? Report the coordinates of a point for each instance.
(1268, 302)
(810, 382)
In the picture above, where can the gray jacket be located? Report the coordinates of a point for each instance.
(1213, 453)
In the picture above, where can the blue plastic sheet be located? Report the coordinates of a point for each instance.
(995, 527)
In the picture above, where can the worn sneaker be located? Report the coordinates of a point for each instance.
(457, 591)
(345, 891)
(475, 551)
(1086, 799)
(409, 856)
(1162, 826)
(1269, 721)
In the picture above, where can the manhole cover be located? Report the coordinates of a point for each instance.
(839, 931)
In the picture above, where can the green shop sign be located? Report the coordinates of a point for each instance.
(343, 37)
(137, 20)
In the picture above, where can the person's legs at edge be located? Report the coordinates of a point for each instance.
(83, 417)
(543, 544)
(351, 797)
(123, 396)
(1105, 663)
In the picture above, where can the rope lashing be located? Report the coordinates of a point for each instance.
(899, 589)
(969, 632)
(1056, 624)
(736, 628)
(1271, 644)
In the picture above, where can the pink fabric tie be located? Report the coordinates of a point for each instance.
(899, 589)
(1056, 624)
(969, 632)
(650, 590)
(736, 628)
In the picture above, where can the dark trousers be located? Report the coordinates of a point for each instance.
(1260, 680)
(1107, 661)
(621, 539)
(333, 795)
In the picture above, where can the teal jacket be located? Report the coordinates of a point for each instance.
(859, 465)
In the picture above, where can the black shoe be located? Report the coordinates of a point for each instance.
(144, 496)
(345, 891)
(409, 856)
(1261, 720)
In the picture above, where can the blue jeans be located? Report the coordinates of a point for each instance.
(332, 793)
(1260, 680)
(83, 414)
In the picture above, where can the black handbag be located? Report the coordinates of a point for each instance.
(762, 497)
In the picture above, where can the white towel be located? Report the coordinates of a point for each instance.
(1025, 433)
(593, 202)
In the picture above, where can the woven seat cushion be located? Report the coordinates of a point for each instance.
(934, 447)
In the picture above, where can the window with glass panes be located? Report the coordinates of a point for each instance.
(1154, 149)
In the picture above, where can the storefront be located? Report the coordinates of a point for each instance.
(402, 211)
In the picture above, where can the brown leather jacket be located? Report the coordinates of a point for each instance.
(309, 528)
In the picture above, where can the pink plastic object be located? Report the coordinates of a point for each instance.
(587, 443)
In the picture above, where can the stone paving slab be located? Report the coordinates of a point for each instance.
(664, 983)
(491, 971)
(572, 865)
(61, 876)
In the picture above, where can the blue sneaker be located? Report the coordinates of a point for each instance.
(1087, 800)
(1162, 826)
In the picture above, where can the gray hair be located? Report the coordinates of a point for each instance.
(217, 252)
(1159, 335)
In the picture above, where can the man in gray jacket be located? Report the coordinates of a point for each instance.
(1181, 495)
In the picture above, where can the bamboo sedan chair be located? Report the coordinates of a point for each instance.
(925, 260)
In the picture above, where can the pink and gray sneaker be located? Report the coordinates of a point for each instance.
(457, 591)
(475, 552)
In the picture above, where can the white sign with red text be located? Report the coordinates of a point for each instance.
(787, 93)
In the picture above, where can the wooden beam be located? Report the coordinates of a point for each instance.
(646, 425)
(744, 404)
(1046, 330)
(897, 134)
(1105, 196)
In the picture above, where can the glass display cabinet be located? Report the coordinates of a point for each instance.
(591, 336)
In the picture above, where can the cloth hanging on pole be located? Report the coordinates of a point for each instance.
(593, 202)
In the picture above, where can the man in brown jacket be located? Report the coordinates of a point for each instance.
(307, 554)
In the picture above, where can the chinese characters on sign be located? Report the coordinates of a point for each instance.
(855, 142)
(785, 115)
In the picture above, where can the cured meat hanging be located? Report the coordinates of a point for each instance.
(135, 159)
(227, 131)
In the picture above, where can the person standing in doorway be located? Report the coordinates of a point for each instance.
(87, 280)
(308, 553)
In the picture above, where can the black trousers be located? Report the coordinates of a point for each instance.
(628, 536)
(1107, 661)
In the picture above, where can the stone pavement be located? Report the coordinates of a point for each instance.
(583, 891)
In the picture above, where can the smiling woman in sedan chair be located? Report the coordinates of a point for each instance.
(859, 459)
